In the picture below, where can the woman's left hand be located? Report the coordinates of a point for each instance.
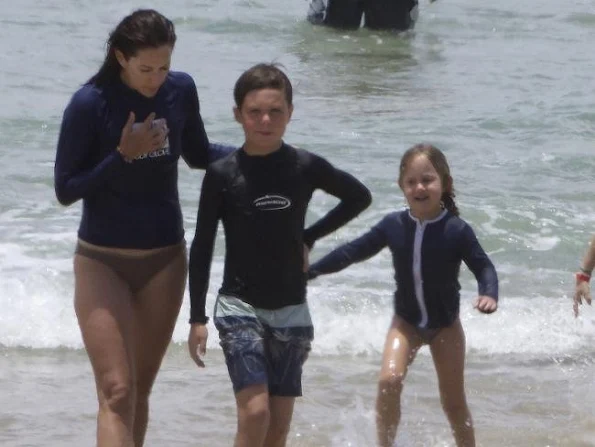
(486, 304)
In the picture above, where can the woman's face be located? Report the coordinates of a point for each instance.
(146, 71)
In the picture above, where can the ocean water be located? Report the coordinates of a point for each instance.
(504, 88)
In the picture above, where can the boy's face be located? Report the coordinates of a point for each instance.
(264, 115)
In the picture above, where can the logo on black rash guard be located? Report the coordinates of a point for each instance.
(272, 203)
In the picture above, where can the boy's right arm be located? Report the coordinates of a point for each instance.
(201, 255)
(201, 250)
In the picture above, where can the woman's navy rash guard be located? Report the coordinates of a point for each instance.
(426, 257)
(129, 205)
(262, 202)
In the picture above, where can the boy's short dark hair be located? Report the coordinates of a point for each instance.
(259, 77)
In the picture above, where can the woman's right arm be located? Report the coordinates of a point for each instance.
(74, 175)
(358, 250)
(197, 151)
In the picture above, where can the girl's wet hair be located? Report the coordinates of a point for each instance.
(259, 77)
(144, 28)
(438, 160)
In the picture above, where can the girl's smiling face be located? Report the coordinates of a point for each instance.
(423, 188)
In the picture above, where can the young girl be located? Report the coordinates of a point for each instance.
(428, 241)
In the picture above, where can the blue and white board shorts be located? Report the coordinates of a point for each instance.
(264, 346)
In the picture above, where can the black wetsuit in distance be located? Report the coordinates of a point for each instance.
(398, 15)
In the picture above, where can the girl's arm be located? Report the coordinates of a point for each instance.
(357, 250)
(483, 269)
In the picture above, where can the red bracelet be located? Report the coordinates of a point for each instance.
(583, 277)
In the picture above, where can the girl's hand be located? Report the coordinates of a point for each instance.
(581, 292)
(485, 304)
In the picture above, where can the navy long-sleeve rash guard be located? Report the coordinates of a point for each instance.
(262, 202)
(426, 257)
(129, 205)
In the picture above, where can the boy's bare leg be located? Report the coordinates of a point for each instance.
(253, 416)
(281, 409)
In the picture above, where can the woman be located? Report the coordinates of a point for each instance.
(121, 136)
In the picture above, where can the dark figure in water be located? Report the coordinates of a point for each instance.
(398, 15)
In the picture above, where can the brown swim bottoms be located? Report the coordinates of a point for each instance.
(135, 270)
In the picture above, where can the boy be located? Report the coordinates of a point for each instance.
(261, 194)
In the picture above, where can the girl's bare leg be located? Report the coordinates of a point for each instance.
(448, 352)
(400, 348)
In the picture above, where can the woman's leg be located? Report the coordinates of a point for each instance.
(156, 307)
(102, 303)
(448, 352)
(399, 351)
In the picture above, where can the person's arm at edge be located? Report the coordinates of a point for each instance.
(583, 276)
(76, 141)
(199, 268)
(354, 198)
(197, 151)
(589, 260)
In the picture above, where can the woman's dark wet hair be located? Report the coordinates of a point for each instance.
(144, 28)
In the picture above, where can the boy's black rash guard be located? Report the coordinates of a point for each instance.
(426, 257)
(129, 205)
(262, 202)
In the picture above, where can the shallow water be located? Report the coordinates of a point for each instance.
(505, 89)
